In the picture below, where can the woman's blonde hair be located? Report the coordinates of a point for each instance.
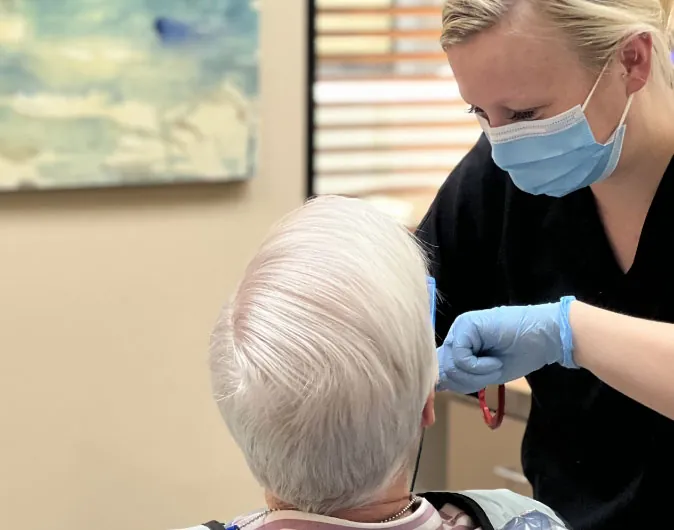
(596, 27)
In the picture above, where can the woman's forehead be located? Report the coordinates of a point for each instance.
(505, 64)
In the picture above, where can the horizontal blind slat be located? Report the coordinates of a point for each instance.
(387, 160)
(375, 3)
(348, 128)
(321, 4)
(384, 58)
(393, 114)
(363, 183)
(355, 92)
(401, 169)
(432, 72)
(367, 11)
(418, 34)
(421, 148)
(396, 137)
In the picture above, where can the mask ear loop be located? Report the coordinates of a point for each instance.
(627, 109)
(596, 84)
(627, 106)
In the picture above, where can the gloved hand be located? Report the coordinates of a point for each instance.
(495, 346)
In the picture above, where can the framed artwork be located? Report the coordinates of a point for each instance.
(100, 93)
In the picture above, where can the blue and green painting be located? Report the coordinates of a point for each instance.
(97, 93)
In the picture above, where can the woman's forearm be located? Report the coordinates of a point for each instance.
(632, 355)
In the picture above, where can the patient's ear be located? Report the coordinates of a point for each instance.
(428, 414)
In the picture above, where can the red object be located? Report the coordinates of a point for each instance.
(493, 421)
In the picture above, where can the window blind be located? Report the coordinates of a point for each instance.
(389, 123)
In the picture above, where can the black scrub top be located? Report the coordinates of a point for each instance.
(603, 461)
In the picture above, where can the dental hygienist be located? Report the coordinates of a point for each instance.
(570, 192)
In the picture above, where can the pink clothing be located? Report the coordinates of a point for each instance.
(425, 517)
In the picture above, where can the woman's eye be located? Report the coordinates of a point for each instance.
(523, 115)
(475, 110)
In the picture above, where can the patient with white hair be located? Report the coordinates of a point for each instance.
(324, 369)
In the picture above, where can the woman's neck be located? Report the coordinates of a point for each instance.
(648, 150)
(624, 199)
(388, 504)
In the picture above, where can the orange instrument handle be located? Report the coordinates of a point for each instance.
(493, 421)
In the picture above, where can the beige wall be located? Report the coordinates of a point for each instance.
(106, 303)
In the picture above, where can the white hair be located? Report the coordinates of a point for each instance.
(325, 357)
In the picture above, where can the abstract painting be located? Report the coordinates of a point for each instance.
(98, 93)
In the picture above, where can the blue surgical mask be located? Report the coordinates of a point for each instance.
(557, 155)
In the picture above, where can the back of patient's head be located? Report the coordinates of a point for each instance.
(324, 359)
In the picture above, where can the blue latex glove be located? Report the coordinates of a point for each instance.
(499, 345)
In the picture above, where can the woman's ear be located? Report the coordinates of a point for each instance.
(428, 414)
(636, 58)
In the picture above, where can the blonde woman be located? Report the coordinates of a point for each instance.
(324, 368)
(568, 193)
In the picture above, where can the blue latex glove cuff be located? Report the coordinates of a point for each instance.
(565, 332)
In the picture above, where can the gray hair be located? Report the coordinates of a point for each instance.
(325, 357)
